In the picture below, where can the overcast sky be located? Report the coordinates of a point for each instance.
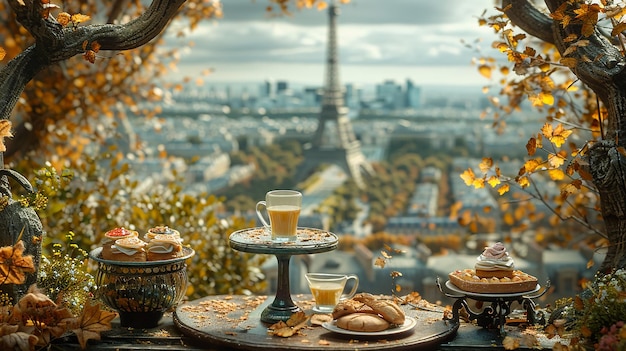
(378, 40)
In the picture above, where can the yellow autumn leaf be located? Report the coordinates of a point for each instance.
(546, 98)
(478, 183)
(486, 164)
(485, 71)
(556, 174)
(531, 146)
(3, 53)
(493, 181)
(531, 165)
(79, 18)
(568, 189)
(546, 130)
(560, 135)
(523, 182)
(468, 176)
(503, 189)
(556, 160)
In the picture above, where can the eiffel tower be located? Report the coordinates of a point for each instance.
(341, 147)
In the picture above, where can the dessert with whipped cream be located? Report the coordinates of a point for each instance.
(127, 249)
(494, 262)
(164, 247)
(493, 273)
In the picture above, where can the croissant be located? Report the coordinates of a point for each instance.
(390, 311)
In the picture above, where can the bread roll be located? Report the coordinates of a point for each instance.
(364, 322)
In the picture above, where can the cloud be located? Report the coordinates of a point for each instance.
(373, 33)
(365, 12)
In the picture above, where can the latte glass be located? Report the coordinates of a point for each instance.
(283, 210)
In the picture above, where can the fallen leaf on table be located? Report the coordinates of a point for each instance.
(296, 318)
(286, 329)
(510, 343)
(319, 319)
(91, 323)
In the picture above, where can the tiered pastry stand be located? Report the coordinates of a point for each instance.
(258, 240)
(493, 316)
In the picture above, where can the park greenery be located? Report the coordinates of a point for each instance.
(568, 62)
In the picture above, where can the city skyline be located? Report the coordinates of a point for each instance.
(420, 41)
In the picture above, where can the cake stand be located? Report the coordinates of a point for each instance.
(493, 316)
(258, 240)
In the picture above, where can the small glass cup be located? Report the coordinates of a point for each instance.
(283, 209)
(328, 289)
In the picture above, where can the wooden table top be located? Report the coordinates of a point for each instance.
(234, 322)
(229, 323)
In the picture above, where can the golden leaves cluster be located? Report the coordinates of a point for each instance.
(35, 321)
(493, 178)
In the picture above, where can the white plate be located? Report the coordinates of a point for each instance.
(409, 323)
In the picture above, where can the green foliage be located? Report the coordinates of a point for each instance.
(606, 306)
(63, 275)
(103, 194)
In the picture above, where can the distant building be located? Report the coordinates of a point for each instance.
(413, 95)
(281, 87)
(389, 94)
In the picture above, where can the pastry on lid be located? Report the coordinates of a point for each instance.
(127, 249)
(114, 234)
(162, 229)
(495, 262)
(494, 272)
(164, 247)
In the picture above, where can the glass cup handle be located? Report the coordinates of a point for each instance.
(260, 215)
(354, 287)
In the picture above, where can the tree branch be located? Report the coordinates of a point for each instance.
(53, 43)
(526, 16)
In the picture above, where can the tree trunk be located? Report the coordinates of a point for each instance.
(601, 67)
(19, 223)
